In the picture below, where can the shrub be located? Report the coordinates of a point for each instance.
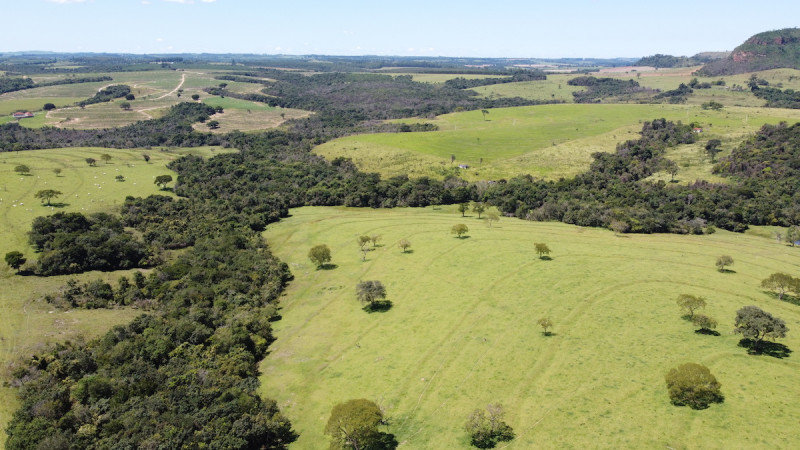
(693, 385)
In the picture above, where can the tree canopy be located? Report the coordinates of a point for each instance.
(354, 425)
(693, 385)
(320, 255)
(756, 324)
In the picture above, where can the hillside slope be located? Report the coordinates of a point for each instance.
(768, 50)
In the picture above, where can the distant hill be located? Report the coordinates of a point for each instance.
(769, 50)
(667, 61)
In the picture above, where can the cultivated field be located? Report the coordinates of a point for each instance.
(462, 332)
(549, 141)
(26, 322)
(243, 115)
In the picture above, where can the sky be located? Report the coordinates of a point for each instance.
(466, 28)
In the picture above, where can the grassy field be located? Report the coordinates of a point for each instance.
(462, 332)
(549, 141)
(243, 115)
(25, 322)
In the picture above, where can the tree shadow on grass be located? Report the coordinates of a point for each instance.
(408, 251)
(768, 348)
(378, 306)
(707, 331)
(726, 271)
(463, 237)
(545, 258)
(327, 266)
(56, 205)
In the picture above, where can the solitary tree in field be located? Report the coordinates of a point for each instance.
(57, 171)
(404, 244)
(125, 106)
(22, 169)
(15, 260)
(105, 157)
(375, 238)
(756, 325)
(119, 178)
(479, 208)
(146, 157)
(459, 229)
(619, 227)
(463, 208)
(542, 250)
(712, 148)
(47, 194)
(693, 385)
(354, 425)
(484, 112)
(91, 162)
(671, 168)
(545, 323)
(130, 97)
(163, 180)
(195, 97)
(792, 235)
(691, 303)
(724, 261)
(705, 322)
(213, 124)
(486, 430)
(48, 106)
(781, 283)
(370, 292)
(492, 216)
(362, 241)
(452, 158)
(320, 255)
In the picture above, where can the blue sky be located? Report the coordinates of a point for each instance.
(529, 29)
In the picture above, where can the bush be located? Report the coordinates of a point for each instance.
(693, 385)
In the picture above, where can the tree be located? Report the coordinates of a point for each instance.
(47, 194)
(705, 322)
(130, 97)
(792, 235)
(362, 241)
(712, 148)
(320, 255)
(375, 238)
(15, 260)
(545, 323)
(756, 324)
(125, 105)
(91, 162)
(105, 157)
(195, 97)
(22, 169)
(479, 208)
(354, 425)
(163, 180)
(671, 168)
(404, 244)
(213, 124)
(781, 283)
(371, 293)
(693, 385)
(486, 430)
(484, 112)
(492, 216)
(57, 171)
(463, 208)
(48, 106)
(723, 261)
(459, 229)
(619, 227)
(120, 178)
(691, 303)
(542, 250)
(146, 157)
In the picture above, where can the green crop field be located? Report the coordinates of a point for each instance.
(549, 141)
(26, 322)
(462, 332)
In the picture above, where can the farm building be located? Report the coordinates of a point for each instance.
(22, 114)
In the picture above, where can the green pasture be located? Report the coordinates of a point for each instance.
(235, 103)
(549, 141)
(462, 332)
(25, 322)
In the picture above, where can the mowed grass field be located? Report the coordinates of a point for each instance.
(244, 115)
(25, 322)
(462, 332)
(549, 141)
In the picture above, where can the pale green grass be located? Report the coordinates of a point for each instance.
(248, 116)
(554, 88)
(235, 103)
(549, 141)
(7, 107)
(25, 322)
(462, 332)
